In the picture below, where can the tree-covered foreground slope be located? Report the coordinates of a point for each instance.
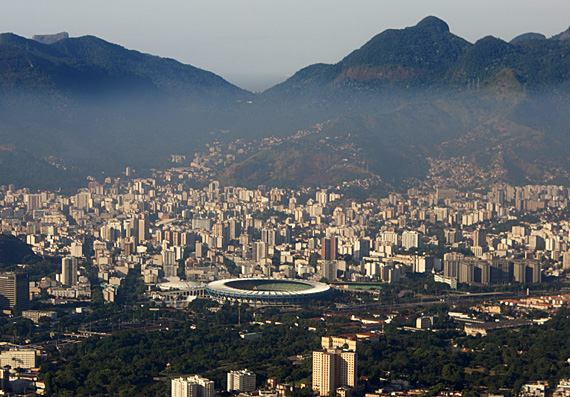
(141, 363)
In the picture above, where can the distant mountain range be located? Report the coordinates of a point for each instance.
(416, 105)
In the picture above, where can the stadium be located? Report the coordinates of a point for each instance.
(267, 291)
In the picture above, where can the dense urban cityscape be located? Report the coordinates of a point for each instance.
(484, 251)
(382, 211)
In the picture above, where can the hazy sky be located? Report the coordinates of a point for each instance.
(257, 43)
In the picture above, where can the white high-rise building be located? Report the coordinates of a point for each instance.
(361, 249)
(192, 386)
(322, 197)
(329, 269)
(410, 239)
(243, 380)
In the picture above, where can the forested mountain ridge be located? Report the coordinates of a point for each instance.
(73, 63)
(429, 55)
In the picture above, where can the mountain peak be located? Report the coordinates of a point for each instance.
(433, 23)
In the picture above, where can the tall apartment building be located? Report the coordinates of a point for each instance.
(479, 238)
(143, 226)
(270, 236)
(69, 270)
(391, 237)
(83, 200)
(192, 386)
(361, 249)
(199, 223)
(32, 201)
(452, 236)
(333, 368)
(169, 264)
(566, 260)
(519, 231)
(14, 291)
(234, 227)
(410, 239)
(329, 248)
(322, 197)
(442, 194)
(259, 251)
(426, 264)
(328, 269)
(243, 380)
(527, 271)
(201, 249)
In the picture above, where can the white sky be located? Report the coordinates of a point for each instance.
(257, 43)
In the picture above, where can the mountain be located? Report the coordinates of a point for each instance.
(88, 106)
(412, 105)
(421, 104)
(429, 55)
(420, 55)
(89, 63)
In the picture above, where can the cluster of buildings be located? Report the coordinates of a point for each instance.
(179, 238)
(473, 270)
(548, 303)
(192, 386)
(334, 371)
(170, 230)
(197, 386)
(541, 389)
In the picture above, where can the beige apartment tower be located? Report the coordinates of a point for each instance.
(332, 369)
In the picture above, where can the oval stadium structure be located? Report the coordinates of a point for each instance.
(267, 291)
